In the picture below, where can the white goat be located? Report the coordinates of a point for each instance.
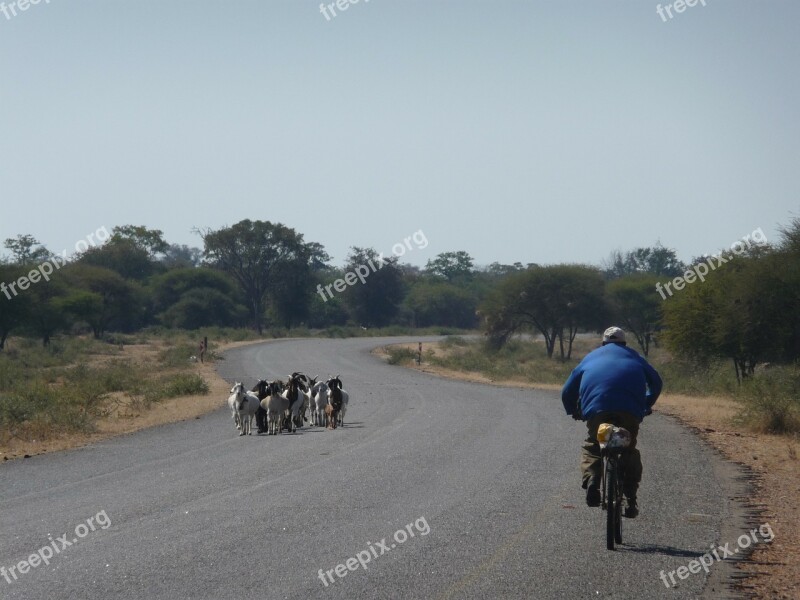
(319, 398)
(246, 408)
(275, 405)
(237, 392)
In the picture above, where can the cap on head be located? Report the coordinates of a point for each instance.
(615, 335)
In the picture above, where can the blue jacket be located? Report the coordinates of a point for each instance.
(612, 378)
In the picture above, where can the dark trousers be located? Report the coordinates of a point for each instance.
(631, 460)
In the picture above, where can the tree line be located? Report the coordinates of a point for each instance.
(252, 274)
(745, 310)
(261, 274)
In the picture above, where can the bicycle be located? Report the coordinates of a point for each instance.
(614, 442)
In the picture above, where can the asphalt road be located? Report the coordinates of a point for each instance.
(485, 478)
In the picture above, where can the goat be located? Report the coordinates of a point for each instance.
(341, 397)
(335, 402)
(260, 390)
(305, 381)
(237, 392)
(246, 407)
(306, 384)
(319, 396)
(298, 400)
(276, 406)
(330, 416)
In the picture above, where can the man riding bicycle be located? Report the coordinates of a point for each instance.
(612, 384)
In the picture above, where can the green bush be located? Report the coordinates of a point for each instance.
(771, 400)
(399, 355)
(184, 384)
(178, 355)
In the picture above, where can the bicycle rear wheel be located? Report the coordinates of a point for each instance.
(612, 503)
(618, 514)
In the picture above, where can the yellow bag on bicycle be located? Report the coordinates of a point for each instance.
(604, 433)
(615, 437)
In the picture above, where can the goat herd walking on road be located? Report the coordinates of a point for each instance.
(276, 405)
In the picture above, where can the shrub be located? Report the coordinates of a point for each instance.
(399, 355)
(772, 401)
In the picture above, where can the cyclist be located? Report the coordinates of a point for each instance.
(612, 384)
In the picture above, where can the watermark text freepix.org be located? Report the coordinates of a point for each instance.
(44, 270)
(700, 270)
(10, 9)
(342, 5)
(717, 554)
(678, 6)
(362, 558)
(56, 546)
(361, 272)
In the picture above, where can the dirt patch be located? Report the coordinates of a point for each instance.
(126, 418)
(773, 570)
(770, 463)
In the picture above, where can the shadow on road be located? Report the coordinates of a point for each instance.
(665, 550)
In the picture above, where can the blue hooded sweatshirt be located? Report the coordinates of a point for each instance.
(612, 378)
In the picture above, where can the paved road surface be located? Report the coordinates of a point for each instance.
(485, 478)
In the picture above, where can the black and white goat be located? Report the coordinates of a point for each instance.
(337, 401)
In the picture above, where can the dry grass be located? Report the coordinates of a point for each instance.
(124, 411)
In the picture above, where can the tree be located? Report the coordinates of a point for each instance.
(102, 298)
(656, 260)
(142, 238)
(131, 250)
(14, 310)
(728, 316)
(252, 252)
(328, 312)
(636, 305)
(439, 303)
(295, 282)
(497, 270)
(85, 306)
(122, 256)
(451, 266)
(26, 250)
(787, 267)
(168, 288)
(375, 302)
(585, 306)
(182, 256)
(203, 307)
(550, 300)
(45, 311)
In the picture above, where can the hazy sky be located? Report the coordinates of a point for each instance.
(518, 131)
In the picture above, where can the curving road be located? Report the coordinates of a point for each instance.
(485, 478)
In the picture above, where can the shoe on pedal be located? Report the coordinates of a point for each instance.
(631, 510)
